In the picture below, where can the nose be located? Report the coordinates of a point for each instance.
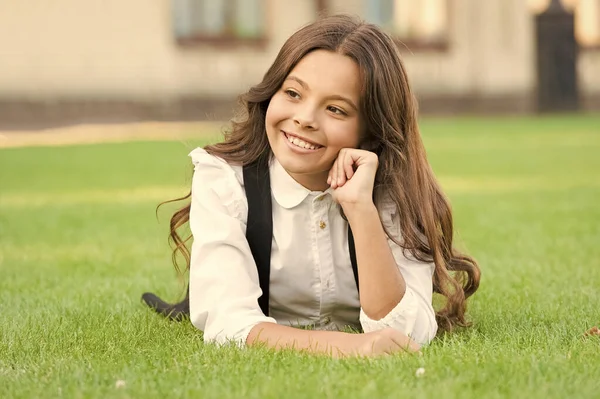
(305, 117)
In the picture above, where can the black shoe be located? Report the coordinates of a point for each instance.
(176, 312)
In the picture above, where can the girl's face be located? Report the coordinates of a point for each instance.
(314, 115)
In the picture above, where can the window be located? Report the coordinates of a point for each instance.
(587, 19)
(218, 20)
(417, 23)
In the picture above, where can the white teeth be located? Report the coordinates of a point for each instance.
(301, 143)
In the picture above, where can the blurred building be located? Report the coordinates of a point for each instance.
(68, 61)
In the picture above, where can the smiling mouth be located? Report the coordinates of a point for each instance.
(298, 142)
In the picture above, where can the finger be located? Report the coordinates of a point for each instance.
(406, 343)
(382, 347)
(389, 347)
(341, 176)
(348, 166)
(332, 175)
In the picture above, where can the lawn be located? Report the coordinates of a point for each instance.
(79, 243)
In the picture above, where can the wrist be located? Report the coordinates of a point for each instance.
(359, 209)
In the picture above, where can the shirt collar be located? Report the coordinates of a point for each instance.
(287, 192)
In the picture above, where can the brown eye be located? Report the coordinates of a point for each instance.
(292, 94)
(336, 110)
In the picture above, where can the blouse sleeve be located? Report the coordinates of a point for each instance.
(224, 287)
(414, 314)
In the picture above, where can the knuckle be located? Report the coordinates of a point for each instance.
(389, 332)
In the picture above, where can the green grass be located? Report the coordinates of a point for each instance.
(79, 243)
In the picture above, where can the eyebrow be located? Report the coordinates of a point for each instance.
(333, 97)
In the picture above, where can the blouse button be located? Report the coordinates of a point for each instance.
(322, 224)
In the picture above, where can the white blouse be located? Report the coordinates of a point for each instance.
(311, 280)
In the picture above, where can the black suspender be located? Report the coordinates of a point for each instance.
(352, 251)
(259, 233)
(259, 228)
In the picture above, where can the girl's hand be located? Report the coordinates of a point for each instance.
(379, 343)
(352, 177)
(387, 341)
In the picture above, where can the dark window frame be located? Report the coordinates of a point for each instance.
(222, 39)
(408, 44)
(226, 40)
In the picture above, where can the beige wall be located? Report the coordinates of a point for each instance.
(125, 49)
(116, 48)
(589, 73)
(79, 48)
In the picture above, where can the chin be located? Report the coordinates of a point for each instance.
(297, 166)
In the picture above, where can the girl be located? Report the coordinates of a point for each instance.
(335, 122)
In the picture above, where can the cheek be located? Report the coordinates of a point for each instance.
(275, 111)
(343, 135)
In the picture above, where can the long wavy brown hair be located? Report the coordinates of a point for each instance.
(388, 110)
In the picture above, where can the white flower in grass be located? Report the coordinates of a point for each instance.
(120, 384)
(420, 372)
